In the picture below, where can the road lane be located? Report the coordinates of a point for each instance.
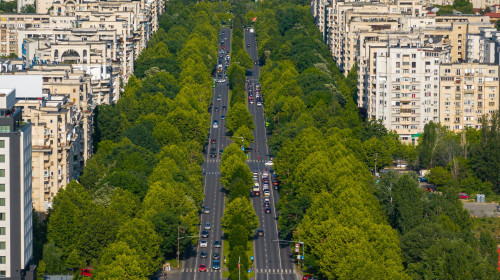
(272, 261)
(213, 190)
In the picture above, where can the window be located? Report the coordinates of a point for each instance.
(2, 216)
(2, 273)
(4, 128)
(2, 245)
(2, 201)
(2, 143)
(3, 259)
(447, 71)
(2, 172)
(2, 187)
(2, 158)
(2, 230)
(492, 71)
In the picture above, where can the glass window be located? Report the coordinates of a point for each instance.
(2, 143)
(2, 172)
(2, 273)
(2, 187)
(2, 230)
(3, 259)
(2, 158)
(4, 128)
(2, 216)
(2, 201)
(2, 245)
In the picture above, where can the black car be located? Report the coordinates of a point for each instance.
(216, 109)
(217, 244)
(213, 152)
(204, 234)
(203, 255)
(224, 107)
(260, 232)
(215, 256)
(248, 45)
(221, 151)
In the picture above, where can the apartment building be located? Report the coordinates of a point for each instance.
(406, 92)
(56, 102)
(16, 229)
(468, 91)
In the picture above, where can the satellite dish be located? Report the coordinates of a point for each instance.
(431, 41)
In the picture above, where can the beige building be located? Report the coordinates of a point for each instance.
(468, 91)
(61, 118)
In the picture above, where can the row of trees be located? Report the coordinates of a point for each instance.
(144, 181)
(324, 152)
(327, 196)
(239, 221)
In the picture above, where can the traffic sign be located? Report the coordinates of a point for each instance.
(249, 271)
(302, 256)
(297, 250)
(298, 257)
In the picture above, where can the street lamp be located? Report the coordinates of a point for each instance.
(292, 241)
(178, 243)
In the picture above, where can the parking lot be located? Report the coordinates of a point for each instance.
(482, 210)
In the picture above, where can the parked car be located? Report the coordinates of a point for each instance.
(463, 195)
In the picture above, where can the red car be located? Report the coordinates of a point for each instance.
(214, 141)
(203, 268)
(306, 277)
(463, 195)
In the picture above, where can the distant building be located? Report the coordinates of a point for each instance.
(468, 91)
(16, 229)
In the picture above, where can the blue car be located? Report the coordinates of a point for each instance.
(216, 264)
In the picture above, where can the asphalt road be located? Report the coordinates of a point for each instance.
(272, 260)
(214, 191)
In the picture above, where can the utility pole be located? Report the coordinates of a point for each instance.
(178, 243)
(298, 231)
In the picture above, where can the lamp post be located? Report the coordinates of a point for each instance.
(178, 243)
(292, 241)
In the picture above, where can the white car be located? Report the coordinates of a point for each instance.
(216, 124)
(203, 244)
(208, 226)
(259, 104)
(269, 163)
(266, 199)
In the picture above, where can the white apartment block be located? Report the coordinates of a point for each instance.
(406, 93)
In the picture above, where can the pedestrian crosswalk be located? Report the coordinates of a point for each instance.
(196, 270)
(213, 160)
(274, 271)
(213, 173)
(257, 270)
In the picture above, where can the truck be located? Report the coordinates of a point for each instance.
(256, 189)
